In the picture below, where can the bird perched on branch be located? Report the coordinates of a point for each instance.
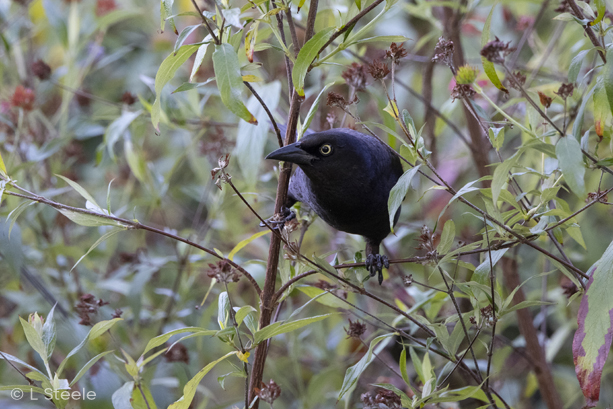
(345, 177)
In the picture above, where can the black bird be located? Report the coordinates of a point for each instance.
(345, 177)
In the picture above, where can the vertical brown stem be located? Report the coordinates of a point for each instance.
(429, 117)
(479, 146)
(543, 373)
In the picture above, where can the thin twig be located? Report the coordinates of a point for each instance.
(270, 117)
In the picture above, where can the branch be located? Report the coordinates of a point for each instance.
(130, 225)
(272, 120)
(588, 29)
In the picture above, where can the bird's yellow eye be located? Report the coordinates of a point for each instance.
(325, 149)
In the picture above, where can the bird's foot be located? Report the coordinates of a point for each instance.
(278, 220)
(375, 264)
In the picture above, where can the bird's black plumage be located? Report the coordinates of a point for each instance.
(345, 177)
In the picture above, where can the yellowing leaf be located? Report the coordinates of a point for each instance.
(488, 66)
(2, 167)
(243, 357)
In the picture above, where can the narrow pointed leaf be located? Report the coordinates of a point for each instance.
(568, 151)
(398, 192)
(488, 66)
(306, 56)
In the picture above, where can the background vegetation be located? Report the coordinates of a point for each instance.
(112, 229)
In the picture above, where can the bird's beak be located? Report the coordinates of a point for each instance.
(292, 153)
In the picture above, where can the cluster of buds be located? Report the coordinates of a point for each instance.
(268, 393)
(178, 353)
(23, 98)
(443, 52)
(383, 397)
(223, 272)
(565, 91)
(487, 314)
(355, 76)
(593, 196)
(407, 280)
(462, 91)
(378, 69)
(395, 53)
(495, 51)
(337, 100)
(426, 242)
(87, 306)
(355, 330)
(219, 174)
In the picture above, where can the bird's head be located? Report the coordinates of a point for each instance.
(322, 151)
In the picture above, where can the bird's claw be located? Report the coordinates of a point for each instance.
(278, 220)
(375, 264)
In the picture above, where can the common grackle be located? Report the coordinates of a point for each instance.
(345, 177)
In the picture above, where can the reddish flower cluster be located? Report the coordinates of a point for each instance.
(105, 7)
(268, 393)
(378, 70)
(443, 52)
(383, 396)
(396, 52)
(41, 70)
(355, 330)
(223, 272)
(496, 50)
(23, 98)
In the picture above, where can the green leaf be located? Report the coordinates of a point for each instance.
(313, 110)
(576, 64)
(199, 57)
(16, 360)
(570, 160)
(243, 312)
(500, 176)
(230, 81)
(165, 73)
(186, 86)
(322, 296)
(446, 237)
(306, 56)
(607, 74)
(162, 339)
(580, 113)
(102, 327)
(592, 341)
(402, 363)
(283, 327)
(88, 365)
(488, 66)
(183, 36)
(223, 310)
(398, 192)
(496, 137)
(353, 373)
(116, 129)
(417, 365)
(15, 213)
(382, 39)
(166, 13)
(482, 272)
(105, 236)
(49, 334)
(137, 164)
(243, 243)
(189, 390)
(88, 220)
(34, 339)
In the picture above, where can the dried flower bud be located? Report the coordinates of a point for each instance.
(593, 196)
(443, 52)
(23, 98)
(117, 313)
(268, 393)
(487, 313)
(495, 51)
(565, 90)
(545, 100)
(473, 320)
(127, 98)
(378, 70)
(178, 353)
(384, 397)
(355, 330)
(336, 100)
(219, 174)
(462, 91)
(355, 76)
(466, 75)
(223, 272)
(396, 52)
(41, 70)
